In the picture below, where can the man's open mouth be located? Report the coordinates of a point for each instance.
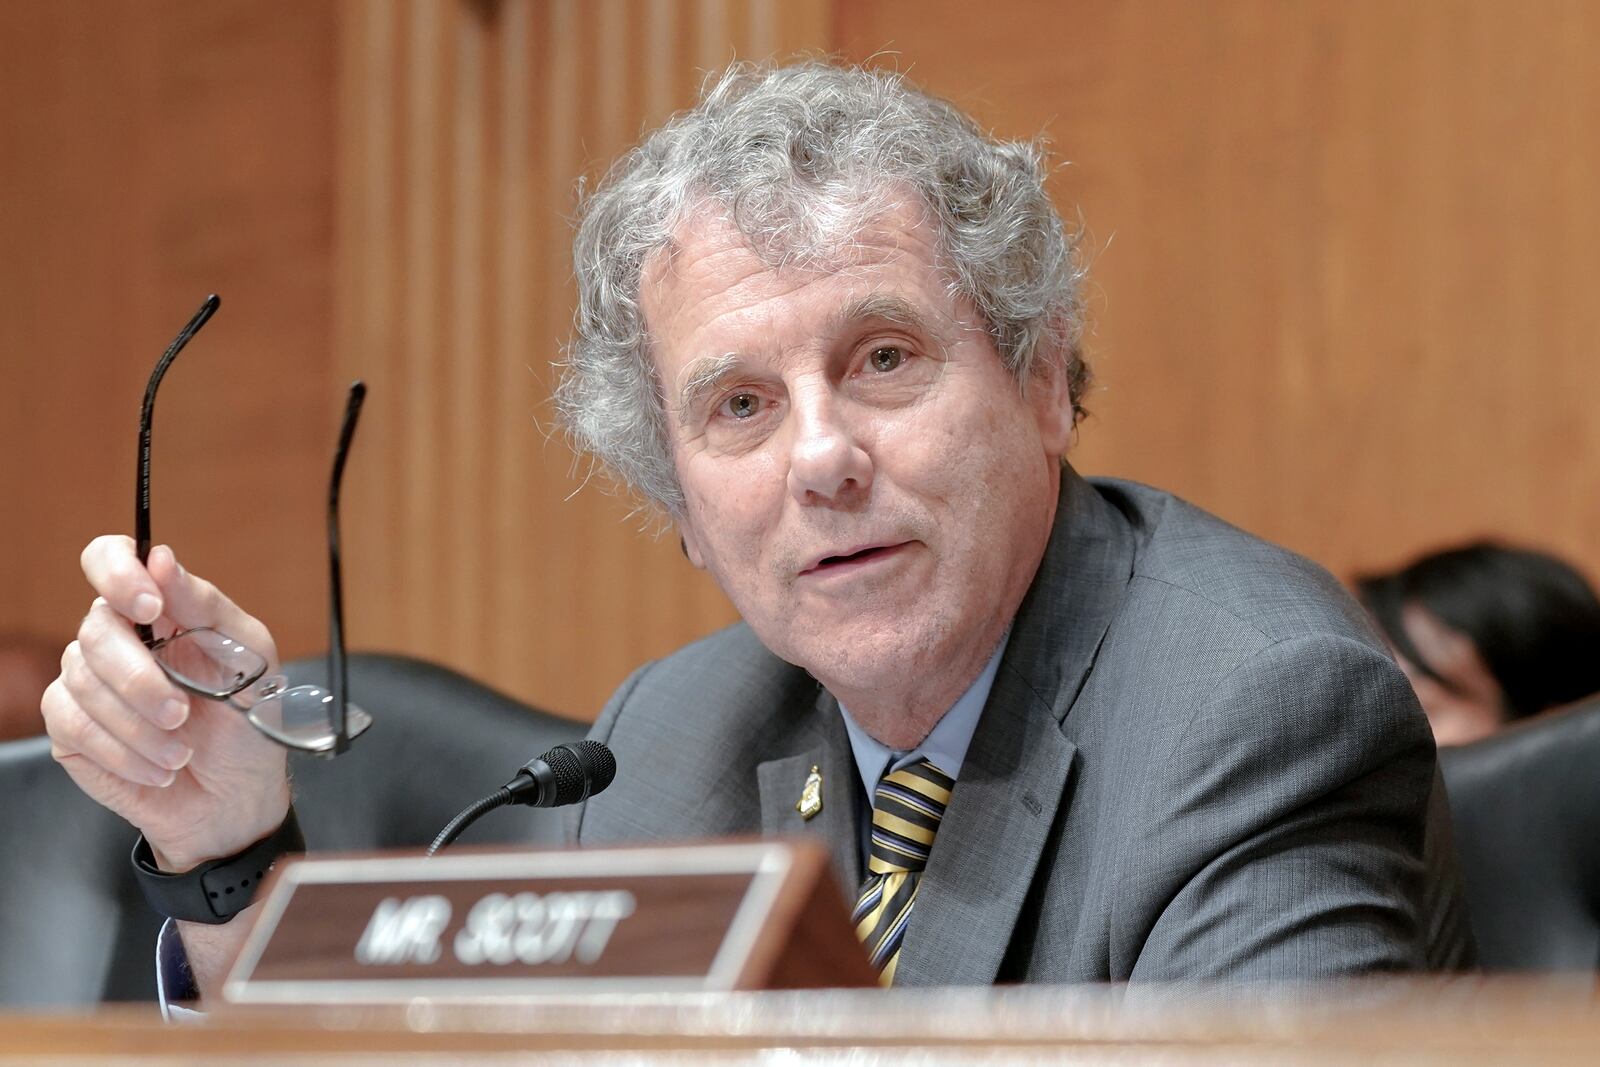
(859, 556)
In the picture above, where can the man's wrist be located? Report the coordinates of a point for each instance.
(176, 859)
(216, 890)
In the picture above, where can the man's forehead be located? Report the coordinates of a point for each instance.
(706, 243)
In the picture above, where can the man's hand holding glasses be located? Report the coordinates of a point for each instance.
(192, 774)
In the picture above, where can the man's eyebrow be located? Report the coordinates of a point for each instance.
(702, 377)
(895, 310)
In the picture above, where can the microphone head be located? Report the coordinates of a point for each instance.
(579, 770)
(600, 766)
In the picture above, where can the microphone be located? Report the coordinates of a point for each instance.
(567, 774)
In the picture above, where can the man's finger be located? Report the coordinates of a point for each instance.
(74, 732)
(112, 566)
(167, 749)
(114, 654)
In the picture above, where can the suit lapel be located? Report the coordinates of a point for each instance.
(1019, 763)
(989, 844)
(826, 746)
(1080, 585)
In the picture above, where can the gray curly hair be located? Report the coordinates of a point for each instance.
(801, 159)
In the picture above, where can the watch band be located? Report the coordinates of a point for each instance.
(219, 889)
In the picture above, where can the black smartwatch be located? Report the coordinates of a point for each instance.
(216, 890)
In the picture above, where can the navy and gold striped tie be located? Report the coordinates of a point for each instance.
(906, 809)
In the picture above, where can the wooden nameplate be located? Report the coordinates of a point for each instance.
(373, 928)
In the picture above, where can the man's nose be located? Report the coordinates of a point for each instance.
(827, 462)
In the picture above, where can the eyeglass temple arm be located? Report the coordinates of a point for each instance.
(141, 503)
(337, 675)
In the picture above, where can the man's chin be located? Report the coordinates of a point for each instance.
(854, 663)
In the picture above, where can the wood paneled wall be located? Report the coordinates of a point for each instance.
(1344, 252)
(1343, 258)
(151, 153)
(463, 129)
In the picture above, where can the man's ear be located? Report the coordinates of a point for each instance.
(1050, 396)
(690, 545)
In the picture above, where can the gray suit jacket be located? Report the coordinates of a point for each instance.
(1196, 761)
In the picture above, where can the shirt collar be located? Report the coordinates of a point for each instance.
(945, 746)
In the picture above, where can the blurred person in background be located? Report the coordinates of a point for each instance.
(1488, 634)
(27, 666)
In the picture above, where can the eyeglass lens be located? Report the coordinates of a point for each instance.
(302, 717)
(208, 662)
(211, 663)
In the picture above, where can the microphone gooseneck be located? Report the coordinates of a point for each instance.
(567, 774)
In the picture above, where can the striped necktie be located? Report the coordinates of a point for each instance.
(906, 809)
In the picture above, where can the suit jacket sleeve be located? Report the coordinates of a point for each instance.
(1288, 825)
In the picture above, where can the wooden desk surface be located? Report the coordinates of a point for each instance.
(1454, 1021)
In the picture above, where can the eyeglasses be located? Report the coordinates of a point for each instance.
(209, 663)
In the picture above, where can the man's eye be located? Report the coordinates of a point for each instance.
(742, 405)
(885, 359)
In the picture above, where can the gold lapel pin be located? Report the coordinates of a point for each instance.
(810, 795)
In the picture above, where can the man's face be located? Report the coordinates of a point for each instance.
(1471, 705)
(861, 474)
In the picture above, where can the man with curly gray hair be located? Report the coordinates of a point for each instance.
(1051, 729)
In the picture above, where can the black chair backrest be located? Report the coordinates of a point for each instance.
(1525, 805)
(74, 928)
(438, 741)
